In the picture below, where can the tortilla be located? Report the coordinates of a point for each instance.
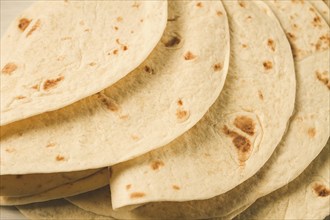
(58, 52)
(23, 185)
(57, 209)
(307, 197)
(240, 131)
(322, 8)
(160, 100)
(90, 183)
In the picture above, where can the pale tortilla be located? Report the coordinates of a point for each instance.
(160, 100)
(58, 52)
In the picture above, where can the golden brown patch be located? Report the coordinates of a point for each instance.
(271, 44)
(116, 28)
(36, 87)
(242, 4)
(199, 5)
(291, 36)
(244, 45)
(60, 158)
(174, 18)
(87, 30)
(110, 104)
(92, 64)
(141, 20)
(9, 68)
(217, 67)
(323, 78)
(34, 27)
(51, 83)
(321, 190)
(175, 187)
(23, 23)
(115, 52)
(219, 13)
(136, 195)
(124, 47)
(242, 144)
(10, 150)
(172, 42)
(128, 186)
(157, 164)
(228, 132)
(20, 97)
(50, 145)
(182, 115)
(189, 56)
(267, 65)
(119, 19)
(311, 132)
(124, 117)
(245, 124)
(317, 21)
(180, 103)
(261, 96)
(149, 70)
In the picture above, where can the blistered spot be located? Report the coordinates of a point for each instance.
(245, 124)
(119, 19)
(271, 44)
(20, 97)
(189, 56)
(34, 27)
(51, 144)
(261, 96)
(60, 158)
(311, 132)
(241, 4)
(10, 150)
(219, 13)
(321, 190)
(136, 195)
(148, 69)
(291, 36)
(242, 143)
(23, 24)
(182, 115)
(128, 186)
(51, 83)
(322, 77)
(267, 65)
(217, 67)
(9, 68)
(199, 5)
(175, 187)
(156, 165)
(172, 42)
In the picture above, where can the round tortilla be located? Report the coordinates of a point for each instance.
(240, 131)
(168, 94)
(58, 52)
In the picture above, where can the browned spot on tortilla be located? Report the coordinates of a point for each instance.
(115, 52)
(124, 117)
(10, 150)
(9, 68)
(189, 56)
(141, 20)
(180, 103)
(217, 67)
(119, 19)
(228, 132)
(20, 97)
(124, 47)
(261, 96)
(242, 4)
(157, 164)
(249, 17)
(36, 87)
(87, 30)
(199, 5)
(317, 21)
(321, 190)
(51, 83)
(23, 23)
(291, 36)
(242, 143)
(311, 132)
(136, 5)
(244, 46)
(271, 44)
(323, 78)
(312, 9)
(34, 27)
(66, 38)
(173, 42)
(175, 187)
(82, 23)
(92, 64)
(149, 70)
(136, 195)
(110, 104)
(295, 26)
(219, 13)
(60, 158)
(245, 124)
(173, 19)
(298, 1)
(182, 115)
(51, 144)
(135, 137)
(19, 176)
(267, 65)
(128, 186)
(116, 28)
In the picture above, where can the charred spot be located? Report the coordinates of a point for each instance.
(128, 186)
(34, 27)
(59, 158)
(271, 44)
(51, 83)
(217, 67)
(199, 5)
(148, 69)
(242, 143)
(175, 187)
(245, 124)
(321, 190)
(156, 165)
(219, 13)
(322, 77)
(9, 68)
(182, 115)
(311, 132)
(23, 23)
(189, 56)
(172, 42)
(136, 195)
(267, 65)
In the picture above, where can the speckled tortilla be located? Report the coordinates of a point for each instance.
(240, 131)
(24, 185)
(307, 197)
(322, 8)
(160, 100)
(92, 182)
(57, 209)
(58, 52)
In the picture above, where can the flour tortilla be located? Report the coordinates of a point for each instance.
(58, 52)
(237, 135)
(327, 2)
(23, 185)
(307, 197)
(322, 8)
(163, 98)
(83, 185)
(57, 209)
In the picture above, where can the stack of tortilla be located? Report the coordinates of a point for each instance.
(166, 110)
